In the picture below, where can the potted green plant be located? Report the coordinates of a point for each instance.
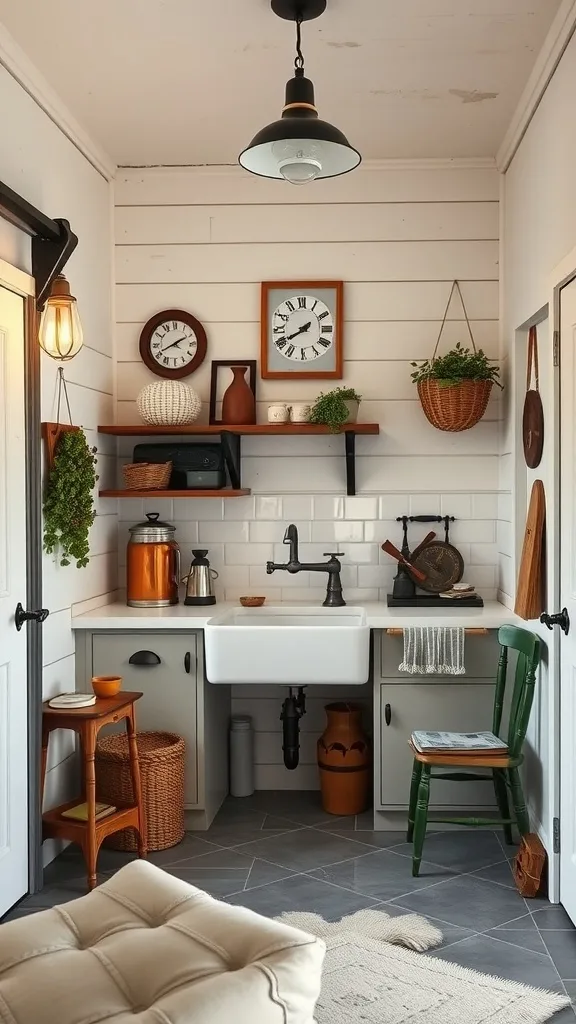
(68, 501)
(454, 389)
(335, 408)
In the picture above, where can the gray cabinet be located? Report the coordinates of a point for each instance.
(169, 687)
(460, 707)
(176, 698)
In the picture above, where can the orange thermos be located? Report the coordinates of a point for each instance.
(152, 564)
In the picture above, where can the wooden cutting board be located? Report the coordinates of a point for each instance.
(530, 588)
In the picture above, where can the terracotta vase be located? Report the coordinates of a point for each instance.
(344, 760)
(238, 403)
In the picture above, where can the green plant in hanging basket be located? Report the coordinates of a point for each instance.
(68, 501)
(457, 365)
(333, 408)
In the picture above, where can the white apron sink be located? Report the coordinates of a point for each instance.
(289, 645)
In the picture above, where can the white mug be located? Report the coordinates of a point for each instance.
(278, 413)
(301, 412)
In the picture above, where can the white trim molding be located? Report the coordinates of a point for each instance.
(21, 68)
(556, 41)
(480, 163)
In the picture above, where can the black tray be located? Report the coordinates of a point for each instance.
(434, 601)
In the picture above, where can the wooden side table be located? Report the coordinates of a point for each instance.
(87, 722)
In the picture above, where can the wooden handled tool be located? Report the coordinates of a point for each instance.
(389, 548)
(429, 536)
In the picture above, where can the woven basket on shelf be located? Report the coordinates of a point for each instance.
(161, 756)
(457, 406)
(147, 476)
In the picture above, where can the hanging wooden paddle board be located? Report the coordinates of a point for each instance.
(530, 588)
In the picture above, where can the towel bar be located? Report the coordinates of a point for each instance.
(479, 631)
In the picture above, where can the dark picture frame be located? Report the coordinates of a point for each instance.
(215, 365)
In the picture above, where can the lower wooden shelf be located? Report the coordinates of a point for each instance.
(53, 822)
(223, 492)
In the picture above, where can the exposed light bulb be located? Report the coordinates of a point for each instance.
(299, 161)
(60, 332)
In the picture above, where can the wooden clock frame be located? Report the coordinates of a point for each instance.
(146, 336)
(300, 286)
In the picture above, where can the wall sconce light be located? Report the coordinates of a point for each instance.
(60, 332)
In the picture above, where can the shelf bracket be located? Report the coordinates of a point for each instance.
(49, 257)
(231, 447)
(350, 443)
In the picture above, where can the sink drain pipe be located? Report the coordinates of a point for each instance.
(292, 710)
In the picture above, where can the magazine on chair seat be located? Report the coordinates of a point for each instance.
(458, 742)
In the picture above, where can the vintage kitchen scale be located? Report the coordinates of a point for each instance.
(433, 569)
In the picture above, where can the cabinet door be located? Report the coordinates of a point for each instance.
(169, 688)
(462, 707)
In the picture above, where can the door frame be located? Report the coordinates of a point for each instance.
(22, 284)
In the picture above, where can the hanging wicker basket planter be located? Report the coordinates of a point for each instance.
(455, 403)
(454, 406)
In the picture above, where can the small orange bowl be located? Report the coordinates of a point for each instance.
(106, 686)
(252, 602)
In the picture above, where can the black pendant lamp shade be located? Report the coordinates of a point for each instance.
(299, 147)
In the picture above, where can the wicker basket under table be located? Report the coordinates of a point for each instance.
(161, 756)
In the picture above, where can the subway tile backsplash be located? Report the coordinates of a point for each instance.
(242, 534)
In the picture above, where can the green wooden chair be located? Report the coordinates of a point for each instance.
(505, 775)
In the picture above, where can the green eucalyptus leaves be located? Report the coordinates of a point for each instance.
(68, 501)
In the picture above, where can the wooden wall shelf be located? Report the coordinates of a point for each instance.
(231, 446)
(223, 492)
(272, 429)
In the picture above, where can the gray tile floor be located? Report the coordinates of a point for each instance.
(279, 851)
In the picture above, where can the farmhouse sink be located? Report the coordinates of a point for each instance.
(289, 645)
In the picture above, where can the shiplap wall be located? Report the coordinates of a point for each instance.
(41, 164)
(204, 239)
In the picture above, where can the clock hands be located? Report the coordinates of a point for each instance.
(177, 342)
(301, 330)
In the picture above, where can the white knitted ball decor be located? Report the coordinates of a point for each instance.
(167, 402)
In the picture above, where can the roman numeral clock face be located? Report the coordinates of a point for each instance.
(302, 329)
(173, 344)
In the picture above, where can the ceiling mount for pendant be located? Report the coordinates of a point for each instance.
(299, 10)
(299, 147)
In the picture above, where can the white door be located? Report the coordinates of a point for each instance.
(13, 678)
(568, 599)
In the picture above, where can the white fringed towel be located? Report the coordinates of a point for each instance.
(433, 650)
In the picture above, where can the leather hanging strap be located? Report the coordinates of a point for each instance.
(532, 359)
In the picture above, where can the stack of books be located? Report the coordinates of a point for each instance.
(452, 743)
(80, 812)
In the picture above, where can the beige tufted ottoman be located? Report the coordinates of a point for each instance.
(147, 948)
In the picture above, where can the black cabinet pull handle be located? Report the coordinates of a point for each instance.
(144, 658)
(187, 662)
(387, 714)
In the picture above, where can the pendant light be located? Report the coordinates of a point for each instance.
(299, 147)
(60, 331)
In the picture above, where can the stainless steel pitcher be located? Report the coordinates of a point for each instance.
(199, 590)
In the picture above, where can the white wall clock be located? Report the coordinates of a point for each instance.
(302, 325)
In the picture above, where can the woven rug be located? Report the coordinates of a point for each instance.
(368, 980)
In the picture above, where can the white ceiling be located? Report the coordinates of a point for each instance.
(191, 81)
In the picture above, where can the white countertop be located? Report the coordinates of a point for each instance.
(119, 616)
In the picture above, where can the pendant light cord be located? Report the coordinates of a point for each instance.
(299, 59)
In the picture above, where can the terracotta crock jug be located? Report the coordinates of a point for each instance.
(344, 760)
(238, 403)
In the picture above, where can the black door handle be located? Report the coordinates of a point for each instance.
(144, 658)
(187, 662)
(20, 616)
(387, 714)
(561, 619)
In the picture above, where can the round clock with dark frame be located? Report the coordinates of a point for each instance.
(173, 344)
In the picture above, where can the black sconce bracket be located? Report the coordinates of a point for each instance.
(53, 241)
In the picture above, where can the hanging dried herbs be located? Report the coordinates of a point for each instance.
(68, 502)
